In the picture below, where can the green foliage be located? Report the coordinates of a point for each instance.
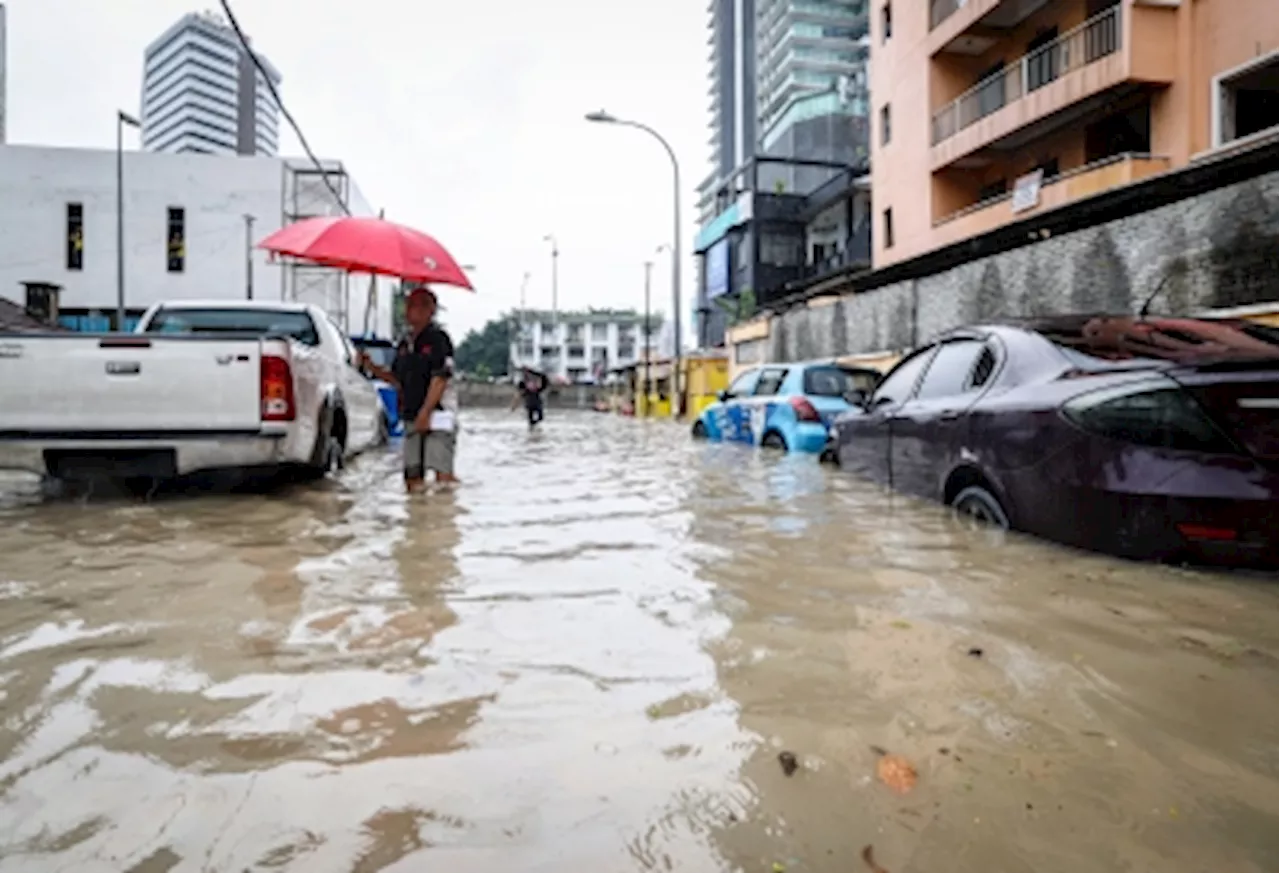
(739, 307)
(487, 351)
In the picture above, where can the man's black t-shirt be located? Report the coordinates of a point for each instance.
(430, 354)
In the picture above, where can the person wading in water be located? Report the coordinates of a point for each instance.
(423, 373)
(530, 388)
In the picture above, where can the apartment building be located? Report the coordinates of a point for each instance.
(986, 112)
(581, 347)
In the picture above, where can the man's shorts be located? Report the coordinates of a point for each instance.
(429, 451)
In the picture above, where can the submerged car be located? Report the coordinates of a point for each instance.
(1146, 438)
(785, 406)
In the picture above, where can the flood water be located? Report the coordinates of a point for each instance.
(589, 657)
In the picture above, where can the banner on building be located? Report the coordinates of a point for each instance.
(717, 269)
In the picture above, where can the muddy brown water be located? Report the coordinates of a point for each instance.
(589, 658)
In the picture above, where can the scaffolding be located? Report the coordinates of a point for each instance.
(309, 192)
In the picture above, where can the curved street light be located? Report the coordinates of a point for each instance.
(555, 276)
(600, 116)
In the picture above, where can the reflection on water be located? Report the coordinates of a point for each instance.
(590, 657)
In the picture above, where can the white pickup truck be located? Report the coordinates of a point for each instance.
(198, 386)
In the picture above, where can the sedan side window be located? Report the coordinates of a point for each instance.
(948, 374)
(770, 382)
(896, 387)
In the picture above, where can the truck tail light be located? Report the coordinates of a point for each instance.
(804, 410)
(277, 389)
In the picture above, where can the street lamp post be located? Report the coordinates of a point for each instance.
(648, 268)
(555, 276)
(248, 256)
(122, 118)
(602, 117)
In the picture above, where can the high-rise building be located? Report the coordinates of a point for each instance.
(202, 92)
(811, 60)
(789, 135)
(733, 84)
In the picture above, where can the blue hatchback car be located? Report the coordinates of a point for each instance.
(785, 406)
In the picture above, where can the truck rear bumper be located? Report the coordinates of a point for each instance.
(132, 455)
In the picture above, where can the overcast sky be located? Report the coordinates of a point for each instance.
(463, 119)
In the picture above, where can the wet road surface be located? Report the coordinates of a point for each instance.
(589, 658)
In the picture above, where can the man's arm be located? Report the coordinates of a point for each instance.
(383, 373)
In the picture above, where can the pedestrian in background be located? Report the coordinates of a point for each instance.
(423, 373)
(530, 388)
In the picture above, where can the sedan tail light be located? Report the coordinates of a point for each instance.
(804, 410)
(1153, 412)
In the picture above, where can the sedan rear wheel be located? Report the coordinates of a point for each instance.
(978, 503)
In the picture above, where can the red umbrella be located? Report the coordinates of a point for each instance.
(368, 245)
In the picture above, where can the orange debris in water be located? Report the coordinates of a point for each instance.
(896, 772)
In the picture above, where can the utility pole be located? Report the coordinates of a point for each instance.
(555, 277)
(248, 256)
(648, 268)
(122, 118)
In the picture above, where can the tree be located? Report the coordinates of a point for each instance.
(487, 350)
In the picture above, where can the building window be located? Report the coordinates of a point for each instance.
(1244, 100)
(1048, 168)
(177, 261)
(888, 228)
(886, 129)
(599, 332)
(75, 236)
(886, 22)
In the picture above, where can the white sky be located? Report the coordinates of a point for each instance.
(463, 119)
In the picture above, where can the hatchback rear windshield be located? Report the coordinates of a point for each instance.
(297, 325)
(836, 381)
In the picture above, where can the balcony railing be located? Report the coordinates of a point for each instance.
(941, 10)
(1091, 41)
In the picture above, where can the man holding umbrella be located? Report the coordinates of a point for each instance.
(423, 372)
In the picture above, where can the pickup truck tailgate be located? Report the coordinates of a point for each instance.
(128, 384)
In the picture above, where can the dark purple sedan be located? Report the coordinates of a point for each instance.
(1147, 438)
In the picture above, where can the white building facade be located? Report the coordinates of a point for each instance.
(186, 235)
(580, 347)
(202, 93)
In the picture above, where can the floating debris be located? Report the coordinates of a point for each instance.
(896, 772)
(869, 859)
(788, 762)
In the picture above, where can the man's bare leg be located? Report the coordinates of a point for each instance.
(415, 485)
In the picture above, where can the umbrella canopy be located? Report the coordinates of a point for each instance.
(368, 245)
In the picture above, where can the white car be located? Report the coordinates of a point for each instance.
(198, 386)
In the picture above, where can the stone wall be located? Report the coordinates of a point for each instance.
(1217, 250)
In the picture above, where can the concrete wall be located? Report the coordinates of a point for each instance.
(1218, 249)
(37, 183)
(499, 394)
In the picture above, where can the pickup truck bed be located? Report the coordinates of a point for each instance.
(137, 404)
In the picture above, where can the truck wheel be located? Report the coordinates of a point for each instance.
(326, 457)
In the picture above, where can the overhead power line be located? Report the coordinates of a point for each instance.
(306, 147)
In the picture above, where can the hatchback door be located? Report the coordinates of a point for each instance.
(731, 416)
(831, 388)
